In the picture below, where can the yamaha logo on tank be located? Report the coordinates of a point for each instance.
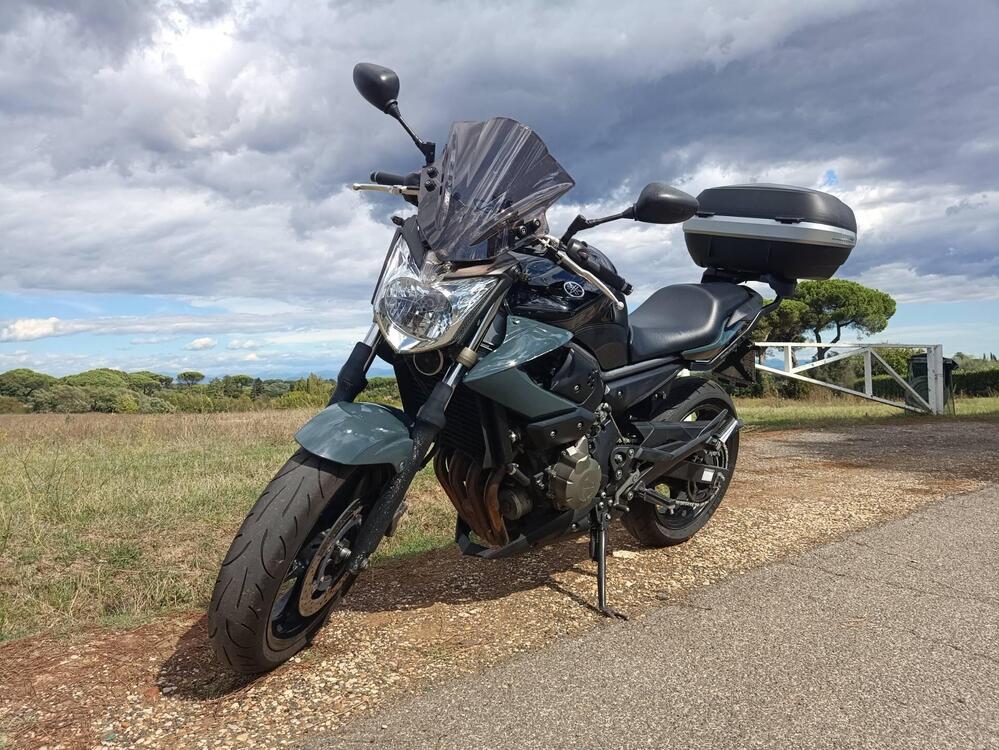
(574, 289)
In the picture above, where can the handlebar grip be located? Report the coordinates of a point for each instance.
(611, 279)
(387, 178)
(390, 178)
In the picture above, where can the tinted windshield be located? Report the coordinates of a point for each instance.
(493, 176)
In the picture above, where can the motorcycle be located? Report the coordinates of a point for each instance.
(546, 407)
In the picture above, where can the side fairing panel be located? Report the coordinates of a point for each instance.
(496, 376)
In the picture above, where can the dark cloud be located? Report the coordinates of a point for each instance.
(198, 148)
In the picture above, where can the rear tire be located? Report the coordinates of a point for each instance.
(289, 527)
(646, 522)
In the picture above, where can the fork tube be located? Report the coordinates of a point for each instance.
(350, 381)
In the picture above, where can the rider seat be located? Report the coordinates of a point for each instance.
(684, 318)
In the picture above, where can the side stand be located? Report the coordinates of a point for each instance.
(598, 553)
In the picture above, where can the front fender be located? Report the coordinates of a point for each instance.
(358, 434)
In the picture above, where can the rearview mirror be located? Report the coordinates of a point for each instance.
(378, 85)
(659, 203)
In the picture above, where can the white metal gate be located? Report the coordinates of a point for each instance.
(933, 404)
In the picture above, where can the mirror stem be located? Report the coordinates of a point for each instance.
(427, 148)
(581, 222)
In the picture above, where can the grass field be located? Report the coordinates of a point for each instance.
(111, 519)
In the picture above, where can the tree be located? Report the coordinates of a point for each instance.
(102, 377)
(190, 377)
(783, 324)
(258, 389)
(841, 304)
(63, 399)
(22, 382)
(164, 380)
(144, 382)
(233, 385)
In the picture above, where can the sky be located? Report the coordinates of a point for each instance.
(174, 175)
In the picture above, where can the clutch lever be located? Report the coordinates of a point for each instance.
(392, 189)
(554, 250)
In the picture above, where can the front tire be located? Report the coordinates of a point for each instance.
(286, 567)
(690, 398)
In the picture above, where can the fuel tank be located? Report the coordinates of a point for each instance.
(551, 294)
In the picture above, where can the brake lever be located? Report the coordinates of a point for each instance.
(391, 189)
(561, 257)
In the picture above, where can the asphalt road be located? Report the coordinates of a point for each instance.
(889, 638)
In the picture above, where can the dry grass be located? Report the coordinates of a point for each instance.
(113, 518)
(829, 407)
(110, 519)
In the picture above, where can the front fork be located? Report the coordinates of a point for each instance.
(429, 422)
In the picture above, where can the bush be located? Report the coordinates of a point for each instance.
(189, 400)
(10, 405)
(62, 399)
(114, 401)
(143, 382)
(100, 378)
(976, 383)
(301, 400)
(155, 405)
(772, 386)
(381, 390)
(275, 388)
(22, 382)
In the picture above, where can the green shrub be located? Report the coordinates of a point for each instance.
(114, 401)
(22, 382)
(977, 382)
(11, 405)
(62, 399)
(143, 382)
(381, 390)
(275, 388)
(102, 377)
(301, 400)
(189, 400)
(155, 405)
(772, 386)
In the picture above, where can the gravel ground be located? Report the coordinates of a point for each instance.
(888, 638)
(416, 623)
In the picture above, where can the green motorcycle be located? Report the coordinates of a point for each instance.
(546, 408)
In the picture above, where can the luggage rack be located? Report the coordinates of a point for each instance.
(935, 401)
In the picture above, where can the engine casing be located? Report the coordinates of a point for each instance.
(576, 477)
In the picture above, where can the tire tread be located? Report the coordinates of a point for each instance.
(247, 583)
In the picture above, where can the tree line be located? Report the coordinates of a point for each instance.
(117, 392)
(820, 311)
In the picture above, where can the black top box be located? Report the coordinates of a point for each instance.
(792, 232)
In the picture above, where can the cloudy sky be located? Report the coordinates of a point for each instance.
(173, 174)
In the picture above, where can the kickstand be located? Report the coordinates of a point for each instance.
(598, 553)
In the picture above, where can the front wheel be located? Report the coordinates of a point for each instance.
(693, 399)
(287, 566)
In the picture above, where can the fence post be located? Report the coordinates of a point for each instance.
(868, 379)
(935, 378)
(787, 359)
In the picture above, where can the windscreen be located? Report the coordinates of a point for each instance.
(493, 176)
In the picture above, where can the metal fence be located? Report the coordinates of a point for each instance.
(933, 403)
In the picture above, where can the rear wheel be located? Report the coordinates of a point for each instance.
(693, 503)
(287, 566)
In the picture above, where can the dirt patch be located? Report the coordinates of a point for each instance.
(415, 622)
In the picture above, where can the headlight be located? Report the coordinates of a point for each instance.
(417, 311)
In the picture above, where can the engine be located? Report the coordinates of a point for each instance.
(575, 477)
